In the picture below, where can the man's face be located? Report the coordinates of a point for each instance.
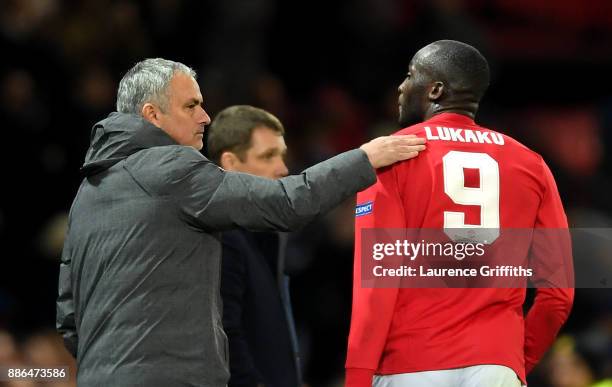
(184, 118)
(266, 156)
(412, 99)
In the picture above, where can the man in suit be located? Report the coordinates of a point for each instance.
(255, 289)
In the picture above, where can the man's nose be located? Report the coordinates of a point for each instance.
(203, 117)
(402, 86)
(282, 169)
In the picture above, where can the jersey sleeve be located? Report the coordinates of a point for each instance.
(373, 307)
(551, 258)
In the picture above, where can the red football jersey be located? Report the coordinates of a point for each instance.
(468, 175)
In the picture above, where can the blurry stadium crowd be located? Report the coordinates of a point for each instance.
(329, 71)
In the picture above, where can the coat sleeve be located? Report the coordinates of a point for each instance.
(214, 199)
(233, 286)
(551, 257)
(65, 320)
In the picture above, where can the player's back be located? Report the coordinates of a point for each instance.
(469, 177)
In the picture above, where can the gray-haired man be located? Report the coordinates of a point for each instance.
(138, 297)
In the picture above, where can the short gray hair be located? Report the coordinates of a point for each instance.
(148, 81)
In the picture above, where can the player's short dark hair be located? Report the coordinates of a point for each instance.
(232, 127)
(462, 66)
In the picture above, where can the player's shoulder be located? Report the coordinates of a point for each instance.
(518, 153)
(417, 168)
(517, 148)
(417, 129)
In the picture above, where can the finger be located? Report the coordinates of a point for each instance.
(404, 140)
(412, 148)
(408, 155)
(414, 140)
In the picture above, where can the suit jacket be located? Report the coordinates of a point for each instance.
(257, 310)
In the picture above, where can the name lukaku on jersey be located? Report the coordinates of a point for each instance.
(463, 135)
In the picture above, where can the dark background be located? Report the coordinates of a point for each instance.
(329, 70)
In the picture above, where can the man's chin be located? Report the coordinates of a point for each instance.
(198, 145)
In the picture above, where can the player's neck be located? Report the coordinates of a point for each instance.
(466, 110)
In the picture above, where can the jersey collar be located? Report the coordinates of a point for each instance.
(455, 118)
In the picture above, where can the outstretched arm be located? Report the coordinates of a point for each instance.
(217, 199)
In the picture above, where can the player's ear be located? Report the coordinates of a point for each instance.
(229, 161)
(436, 91)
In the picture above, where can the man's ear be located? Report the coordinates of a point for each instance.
(150, 113)
(229, 161)
(436, 91)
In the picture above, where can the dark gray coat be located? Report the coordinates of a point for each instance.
(139, 300)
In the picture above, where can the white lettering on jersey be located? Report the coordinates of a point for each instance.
(429, 135)
(456, 134)
(444, 133)
(470, 136)
(463, 135)
(497, 138)
(483, 137)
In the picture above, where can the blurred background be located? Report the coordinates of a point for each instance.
(329, 70)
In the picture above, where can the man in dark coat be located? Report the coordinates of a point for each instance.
(257, 314)
(139, 301)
